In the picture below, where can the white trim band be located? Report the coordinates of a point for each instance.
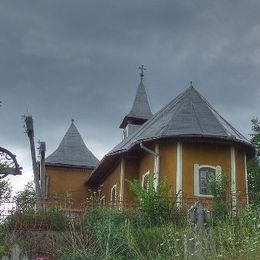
(156, 166)
(233, 177)
(179, 172)
(122, 180)
(246, 178)
(114, 187)
(143, 178)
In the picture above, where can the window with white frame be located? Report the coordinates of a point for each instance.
(202, 176)
(145, 180)
(113, 193)
(102, 200)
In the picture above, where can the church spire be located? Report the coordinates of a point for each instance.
(140, 111)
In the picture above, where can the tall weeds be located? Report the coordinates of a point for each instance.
(157, 229)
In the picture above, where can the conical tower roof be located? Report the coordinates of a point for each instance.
(188, 115)
(72, 151)
(141, 110)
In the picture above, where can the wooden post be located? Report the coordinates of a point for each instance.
(15, 252)
(42, 150)
(30, 133)
(198, 217)
(201, 217)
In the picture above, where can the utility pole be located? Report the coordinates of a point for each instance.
(30, 133)
(42, 150)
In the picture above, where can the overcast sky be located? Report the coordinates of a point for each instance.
(79, 59)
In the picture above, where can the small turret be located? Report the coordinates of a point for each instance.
(72, 151)
(140, 111)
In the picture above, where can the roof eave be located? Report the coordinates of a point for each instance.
(93, 178)
(70, 166)
(135, 120)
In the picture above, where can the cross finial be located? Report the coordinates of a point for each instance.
(72, 120)
(191, 84)
(142, 69)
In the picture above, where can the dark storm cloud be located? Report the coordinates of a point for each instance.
(64, 59)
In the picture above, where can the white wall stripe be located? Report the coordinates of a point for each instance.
(233, 176)
(246, 178)
(157, 166)
(179, 172)
(122, 179)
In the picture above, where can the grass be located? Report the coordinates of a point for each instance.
(113, 234)
(157, 230)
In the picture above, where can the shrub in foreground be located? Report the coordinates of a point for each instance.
(157, 203)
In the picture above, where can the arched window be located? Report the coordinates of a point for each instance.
(205, 175)
(202, 176)
(145, 180)
(113, 193)
(102, 201)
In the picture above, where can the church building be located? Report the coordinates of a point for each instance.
(187, 142)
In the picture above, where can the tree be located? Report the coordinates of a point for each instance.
(254, 164)
(255, 140)
(5, 190)
(26, 199)
(5, 187)
(5, 194)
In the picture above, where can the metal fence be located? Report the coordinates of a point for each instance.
(10, 206)
(7, 208)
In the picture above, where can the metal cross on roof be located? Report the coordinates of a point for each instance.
(142, 69)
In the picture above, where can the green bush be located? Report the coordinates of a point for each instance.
(5, 190)
(108, 228)
(58, 220)
(52, 218)
(3, 250)
(157, 204)
(219, 187)
(26, 199)
(81, 254)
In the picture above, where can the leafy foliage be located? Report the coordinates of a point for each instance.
(112, 236)
(220, 189)
(26, 199)
(5, 190)
(118, 233)
(255, 140)
(5, 186)
(158, 204)
(254, 164)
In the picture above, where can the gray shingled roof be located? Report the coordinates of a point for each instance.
(141, 108)
(189, 114)
(72, 151)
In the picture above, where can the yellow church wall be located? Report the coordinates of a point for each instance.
(168, 163)
(131, 173)
(146, 164)
(203, 154)
(112, 179)
(63, 180)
